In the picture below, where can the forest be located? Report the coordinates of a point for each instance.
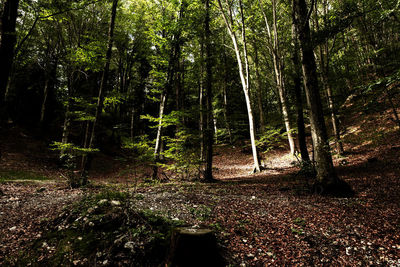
(199, 133)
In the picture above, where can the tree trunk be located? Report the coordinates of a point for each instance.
(157, 147)
(244, 74)
(324, 58)
(327, 180)
(301, 133)
(174, 57)
(45, 94)
(225, 97)
(259, 90)
(7, 45)
(195, 247)
(103, 85)
(209, 135)
(67, 119)
(280, 82)
(278, 70)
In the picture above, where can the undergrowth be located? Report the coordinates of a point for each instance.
(103, 229)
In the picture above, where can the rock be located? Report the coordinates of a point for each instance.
(129, 245)
(115, 203)
(42, 189)
(12, 229)
(90, 210)
(102, 201)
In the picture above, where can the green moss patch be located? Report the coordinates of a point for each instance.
(19, 175)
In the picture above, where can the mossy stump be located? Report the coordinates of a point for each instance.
(194, 247)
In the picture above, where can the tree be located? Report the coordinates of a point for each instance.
(209, 135)
(301, 133)
(8, 40)
(275, 51)
(244, 71)
(327, 179)
(103, 84)
(324, 66)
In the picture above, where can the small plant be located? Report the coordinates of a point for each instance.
(69, 160)
(271, 139)
(299, 221)
(201, 212)
(297, 231)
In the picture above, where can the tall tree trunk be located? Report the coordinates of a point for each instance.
(67, 118)
(7, 45)
(103, 85)
(45, 94)
(278, 70)
(243, 73)
(327, 180)
(259, 90)
(301, 133)
(324, 58)
(174, 57)
(157, 147)
(209, 135)
(201, 105)
(225, 96)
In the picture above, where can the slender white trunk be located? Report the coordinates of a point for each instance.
(45, 94)
(244, 76)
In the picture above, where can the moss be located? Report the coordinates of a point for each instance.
(19, 175)
(88, 233)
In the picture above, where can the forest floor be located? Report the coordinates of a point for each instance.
(264, 219)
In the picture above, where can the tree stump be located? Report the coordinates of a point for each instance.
(192, 246)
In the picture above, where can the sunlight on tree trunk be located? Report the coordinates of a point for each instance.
(244, 74)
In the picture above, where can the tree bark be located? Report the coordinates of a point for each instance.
(225, 96)
(174, 57)
(327, 180)
(301, 133)
(103, 85)
(7, 48)
(278, 70)
(324, 58)
(209, 135)
(244, 74)
(259, 90)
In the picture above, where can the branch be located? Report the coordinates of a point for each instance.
(18, 48)
(309, 12)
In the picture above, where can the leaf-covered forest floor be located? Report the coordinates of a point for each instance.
(261, 219)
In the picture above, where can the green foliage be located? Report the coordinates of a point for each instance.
(72, 149)
(271, 138)
(181, 155)
(299, 221)
(200, 212)
(94, 230)
(142, 148)
(19, 175)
